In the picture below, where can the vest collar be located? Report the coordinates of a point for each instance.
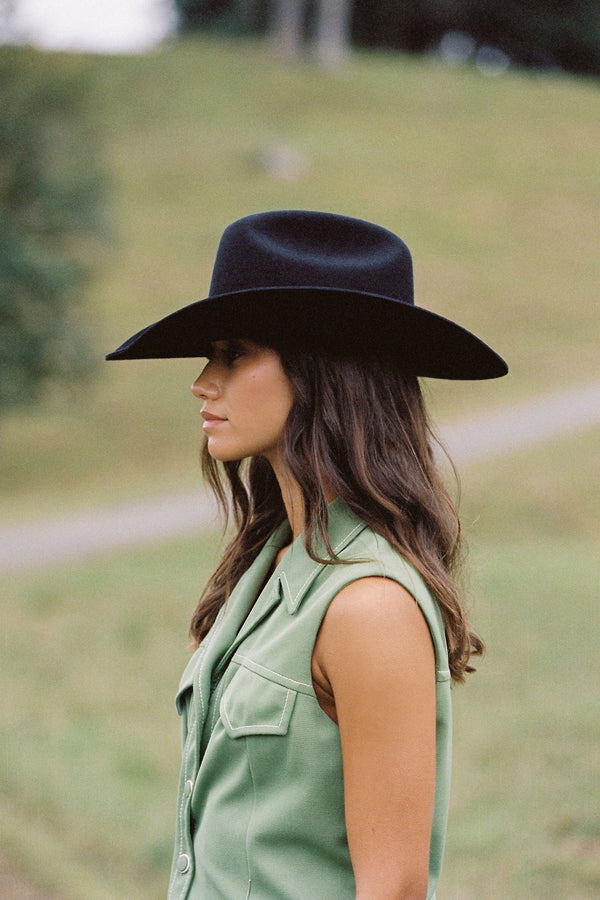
(252, 600)
(297, 570)
(289, 582)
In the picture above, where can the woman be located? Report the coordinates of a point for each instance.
(316, 708)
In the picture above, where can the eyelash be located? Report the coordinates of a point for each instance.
(229, 354)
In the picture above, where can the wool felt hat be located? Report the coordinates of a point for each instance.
(301, 278)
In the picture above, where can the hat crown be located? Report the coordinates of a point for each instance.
(312, 250)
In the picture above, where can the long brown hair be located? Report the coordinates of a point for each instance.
(358, 425)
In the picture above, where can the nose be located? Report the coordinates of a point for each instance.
(206, 385)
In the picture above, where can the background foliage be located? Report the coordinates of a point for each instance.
(539, 33)
(50, 194)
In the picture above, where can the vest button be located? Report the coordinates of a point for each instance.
(183, 863)
(188, 788)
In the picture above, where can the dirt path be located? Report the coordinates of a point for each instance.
(523, 425)
(38, 543)
(15, 886)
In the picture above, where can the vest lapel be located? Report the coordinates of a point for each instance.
(295, 574)
(252, 600)
(299, 571)
(233, 618)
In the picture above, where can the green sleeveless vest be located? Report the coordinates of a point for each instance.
(260, 811)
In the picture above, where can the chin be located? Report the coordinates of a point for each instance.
(222, 455)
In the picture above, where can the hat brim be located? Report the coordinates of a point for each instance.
(424, 342)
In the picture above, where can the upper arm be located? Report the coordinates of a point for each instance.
(375, 651)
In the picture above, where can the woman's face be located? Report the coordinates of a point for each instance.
(247, 398)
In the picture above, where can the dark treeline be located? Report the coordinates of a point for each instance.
(51, 194)
(559, 34)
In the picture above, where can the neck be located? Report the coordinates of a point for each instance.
(292, 497)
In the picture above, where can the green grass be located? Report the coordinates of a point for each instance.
(494, 184)
(91, 659)
(524, 819)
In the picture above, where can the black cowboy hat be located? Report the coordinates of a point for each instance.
(317, 279)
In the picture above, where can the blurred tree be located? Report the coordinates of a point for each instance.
(538, 33)
(292, 24)
(226, 16)
(50, 194)
(332, 31)
(330, 20)
(544, 33)
(287, 28)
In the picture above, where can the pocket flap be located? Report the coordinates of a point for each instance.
(253, 704)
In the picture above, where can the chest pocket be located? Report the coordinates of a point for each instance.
(256, 704)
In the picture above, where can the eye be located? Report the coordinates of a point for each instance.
(227, 352)
(232, 350)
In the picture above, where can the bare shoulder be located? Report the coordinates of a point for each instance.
(377, 608)
(373, 622)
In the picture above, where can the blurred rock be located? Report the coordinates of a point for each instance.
(491, 61)
(457, 48)
(280, 161)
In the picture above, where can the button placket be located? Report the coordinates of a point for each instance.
(184, 860)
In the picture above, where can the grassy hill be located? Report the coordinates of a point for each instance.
(493, 183)
(495, 186)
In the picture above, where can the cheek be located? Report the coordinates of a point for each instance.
(266, 420)
(271, 392)
(281, 401)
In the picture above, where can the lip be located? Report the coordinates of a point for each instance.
(210, 420)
